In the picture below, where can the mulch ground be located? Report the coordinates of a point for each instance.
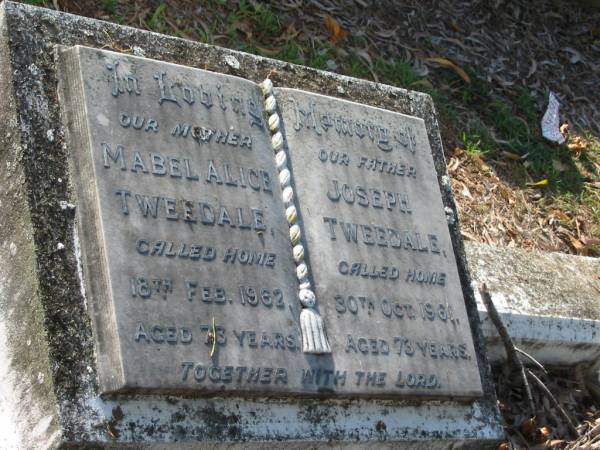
(471, 55)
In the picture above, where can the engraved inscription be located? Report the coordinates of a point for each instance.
(186, 246)
(178, 195)
(308, 116)
(380, 251)
(157, 164)
(368, 197)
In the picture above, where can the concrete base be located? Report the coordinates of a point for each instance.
(549, 302)
(555, 341)
(48, 372)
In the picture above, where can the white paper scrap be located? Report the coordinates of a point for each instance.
(550, 121)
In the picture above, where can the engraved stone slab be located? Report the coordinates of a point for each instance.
(380, 252)
(38, 189)
(186, 254)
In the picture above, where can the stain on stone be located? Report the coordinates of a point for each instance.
(172, 400)
(218, 424)
(178, 416)
(112, 425)
(317, 415)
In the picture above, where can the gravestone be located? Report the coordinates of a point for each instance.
(178, 237)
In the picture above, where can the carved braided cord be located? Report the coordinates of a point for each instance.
(314, 337)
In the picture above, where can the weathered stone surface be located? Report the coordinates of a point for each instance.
(378, 245)
(183, 232)
(28, 404)
(183, 235)
(63, 347)
(548, 302)
(537, 283)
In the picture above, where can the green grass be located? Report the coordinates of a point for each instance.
(157, 21)
(263, 22)
(572, 203)
(316, 55)
(357, 67)
(266, 22)
(110, 6)
(292, 52)
(525, 105)
(513, 125)
(590, 199)
(396, 72)
(472, 145)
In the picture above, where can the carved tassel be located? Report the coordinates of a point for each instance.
(314, 337)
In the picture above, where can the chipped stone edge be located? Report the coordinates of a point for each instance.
(537, 283)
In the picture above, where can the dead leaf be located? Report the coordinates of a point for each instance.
(289, 33)
(577, 144)
(338, 34)
(577, 244)
(245, 27)
(468, 236)
(532, 69)
(540, 183)
(423, 83)
(561, 215)
(528, 427)
(444, 62)
(453, 164)
(511, 155)
(543, 434)
(268, 51)
(589, 242)
(575, 55)
(456, 27)
(466, 193)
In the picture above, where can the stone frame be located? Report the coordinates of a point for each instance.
(49, 342)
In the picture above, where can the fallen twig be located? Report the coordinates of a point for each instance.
(586, 442)
(554, 402)
(509, 346)
(534, 361)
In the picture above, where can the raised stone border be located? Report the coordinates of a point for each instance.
(555, 341)
(550, 302)
(49, 365)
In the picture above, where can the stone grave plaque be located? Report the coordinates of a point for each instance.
(185, 248)
(379, 247)
(186, 255)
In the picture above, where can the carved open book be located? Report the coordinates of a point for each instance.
(238, 238)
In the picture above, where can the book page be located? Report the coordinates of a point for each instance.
(379, 250)
(186, 253)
